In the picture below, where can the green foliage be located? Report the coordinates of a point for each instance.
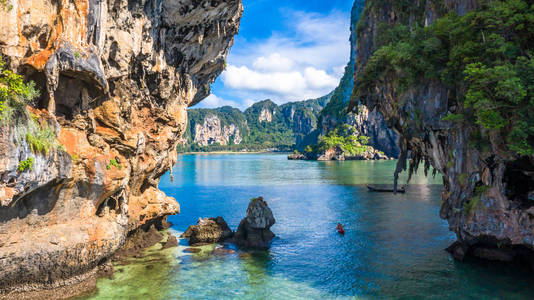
(40, 140)
(462, 179)
(346, 138)
(113, 163)
(4, 4)
(15, 94)
(289, 125)
(473, 203)
(485, 57)
(25, 165)
(269, 134)
(457, 118)
(77, 54)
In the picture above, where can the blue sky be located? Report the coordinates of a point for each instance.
(286, 51)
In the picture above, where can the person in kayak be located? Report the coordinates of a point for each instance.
(340, 228)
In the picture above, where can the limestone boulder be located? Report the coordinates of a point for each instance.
(254, 230)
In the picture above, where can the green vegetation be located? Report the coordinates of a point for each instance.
(40, 140)
(345, 137)
(288, 125)
(15, 95)
(4, 4)
(471, 206)
(113, 163)
(484, 57)
(462, 179)
(268, 134)
(25, 165)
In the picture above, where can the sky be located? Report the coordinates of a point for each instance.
(286, 50)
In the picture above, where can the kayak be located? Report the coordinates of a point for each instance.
(340, 229)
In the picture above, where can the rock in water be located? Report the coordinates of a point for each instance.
(208, 231)
(254, 230)
(171, 242)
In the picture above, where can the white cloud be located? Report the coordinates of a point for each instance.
(274, 62)
(319, 79)
(212, 101)
(291, 84)
(275, 82)
(300, 63)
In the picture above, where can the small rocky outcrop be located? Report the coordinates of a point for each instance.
(143, 237)
(337, 153)
(297, 156)
(208, 231)
(254, 230)
(171, 242)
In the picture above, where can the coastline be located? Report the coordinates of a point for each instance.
(235, 152)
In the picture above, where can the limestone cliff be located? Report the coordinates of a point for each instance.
(264, 125)
(488, 179)
(368, 122)
(115, 79)
(213, 132)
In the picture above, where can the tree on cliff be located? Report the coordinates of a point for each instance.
(486, 57)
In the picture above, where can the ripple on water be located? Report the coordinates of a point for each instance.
(393, 246)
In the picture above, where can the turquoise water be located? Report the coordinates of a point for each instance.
(393, 246)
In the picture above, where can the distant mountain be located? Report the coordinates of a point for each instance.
(264, 125)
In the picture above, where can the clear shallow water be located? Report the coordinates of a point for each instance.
(393, 246)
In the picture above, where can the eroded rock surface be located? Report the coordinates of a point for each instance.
(254, 231)
(115, 78)
(212, 131)
(208, 231)
(368, 122)
(486, 193)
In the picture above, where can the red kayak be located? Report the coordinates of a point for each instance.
(340, 228)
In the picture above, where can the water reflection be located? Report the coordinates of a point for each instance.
(256, 264)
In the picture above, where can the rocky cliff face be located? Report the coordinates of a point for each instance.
(213, 132)
(115, 79)
(368, 122)
(487, 199)
(264, 125)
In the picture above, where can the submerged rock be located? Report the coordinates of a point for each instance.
(142, 238)
(208, 231)
(222, 251)
(254, 230)
(192, 250)
(171, 242)
(457, 250)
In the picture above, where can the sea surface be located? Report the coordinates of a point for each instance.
(392, 249)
